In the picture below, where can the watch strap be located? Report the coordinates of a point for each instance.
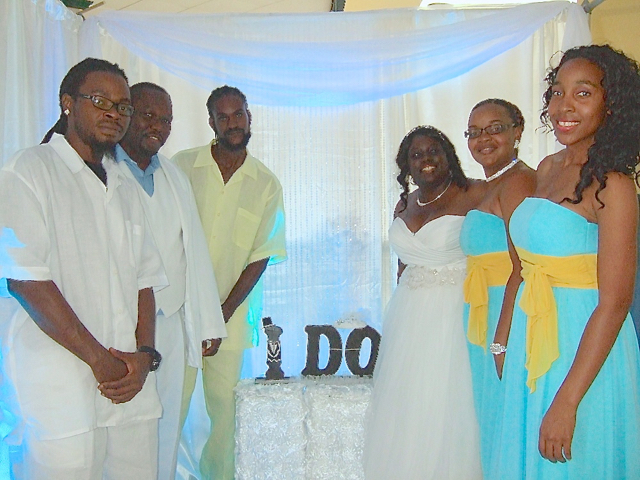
(156, 358)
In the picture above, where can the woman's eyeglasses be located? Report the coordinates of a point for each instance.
(493, 129)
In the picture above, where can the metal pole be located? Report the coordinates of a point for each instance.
(589, 6)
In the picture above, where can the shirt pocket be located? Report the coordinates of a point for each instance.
(133, 244)
(245, 229)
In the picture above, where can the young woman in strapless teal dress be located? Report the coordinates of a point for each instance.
(572, 341)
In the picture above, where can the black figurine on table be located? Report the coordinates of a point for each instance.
(274, 353)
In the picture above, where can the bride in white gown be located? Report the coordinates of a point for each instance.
(421, 422)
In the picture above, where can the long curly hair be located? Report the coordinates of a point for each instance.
(617, 141)
(402, 159)
(512, 110)
(73, 81)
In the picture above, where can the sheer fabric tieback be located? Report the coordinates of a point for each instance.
(540, 273)
(483, 271)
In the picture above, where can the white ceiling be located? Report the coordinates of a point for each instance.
(210, 6)
(273, 6)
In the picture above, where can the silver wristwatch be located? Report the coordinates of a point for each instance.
(156, 358)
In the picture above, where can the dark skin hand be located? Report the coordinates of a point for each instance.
(247, 280)
(213, 347)
(45, 304)
(123, 390)
(138, 363)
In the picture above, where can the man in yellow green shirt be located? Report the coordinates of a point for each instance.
(242, 212)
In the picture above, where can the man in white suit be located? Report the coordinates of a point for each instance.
(189, 322)
(78, 269)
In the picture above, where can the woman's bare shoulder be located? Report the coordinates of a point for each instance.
(401, 206)
(523, 178)
(619, 187)
(549, 162)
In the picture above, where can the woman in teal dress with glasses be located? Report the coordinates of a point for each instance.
(494, 131)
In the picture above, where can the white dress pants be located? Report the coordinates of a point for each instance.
(170, 342)
(126, 451)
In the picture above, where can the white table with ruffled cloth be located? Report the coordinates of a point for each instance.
(302, 428)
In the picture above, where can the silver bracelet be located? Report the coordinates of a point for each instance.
(497, 349)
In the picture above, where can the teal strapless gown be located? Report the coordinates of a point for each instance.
(485, 233)
(606, 441)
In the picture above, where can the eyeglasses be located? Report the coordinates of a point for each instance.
(105, 104)
(493, 129)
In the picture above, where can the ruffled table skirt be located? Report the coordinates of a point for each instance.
(301, 429)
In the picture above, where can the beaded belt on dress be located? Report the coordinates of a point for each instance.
(415, 276)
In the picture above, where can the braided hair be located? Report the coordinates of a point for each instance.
(71, 83)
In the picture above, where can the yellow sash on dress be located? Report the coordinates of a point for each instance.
(483, 271)
(540, 273)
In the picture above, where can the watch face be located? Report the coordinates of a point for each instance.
(155, 363)
(156, 358)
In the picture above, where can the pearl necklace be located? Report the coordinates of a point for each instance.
(424, 204)
(504, 169)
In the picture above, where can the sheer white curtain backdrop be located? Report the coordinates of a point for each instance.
(331, 95)
(38, 45)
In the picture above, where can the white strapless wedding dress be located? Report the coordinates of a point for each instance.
(421, 422)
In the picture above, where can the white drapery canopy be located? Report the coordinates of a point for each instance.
(324, 59)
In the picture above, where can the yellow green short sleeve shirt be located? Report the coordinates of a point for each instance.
(243, 221)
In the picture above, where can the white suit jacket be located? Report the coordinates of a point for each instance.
(202, 307)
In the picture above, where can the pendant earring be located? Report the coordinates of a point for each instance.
(516, 144)
(66, 112)
(410, 180)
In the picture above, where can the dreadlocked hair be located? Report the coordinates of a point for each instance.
(402, 159)
(71, 84)
(220, 92)
(617, 141)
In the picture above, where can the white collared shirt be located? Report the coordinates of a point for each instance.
(59, 222)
